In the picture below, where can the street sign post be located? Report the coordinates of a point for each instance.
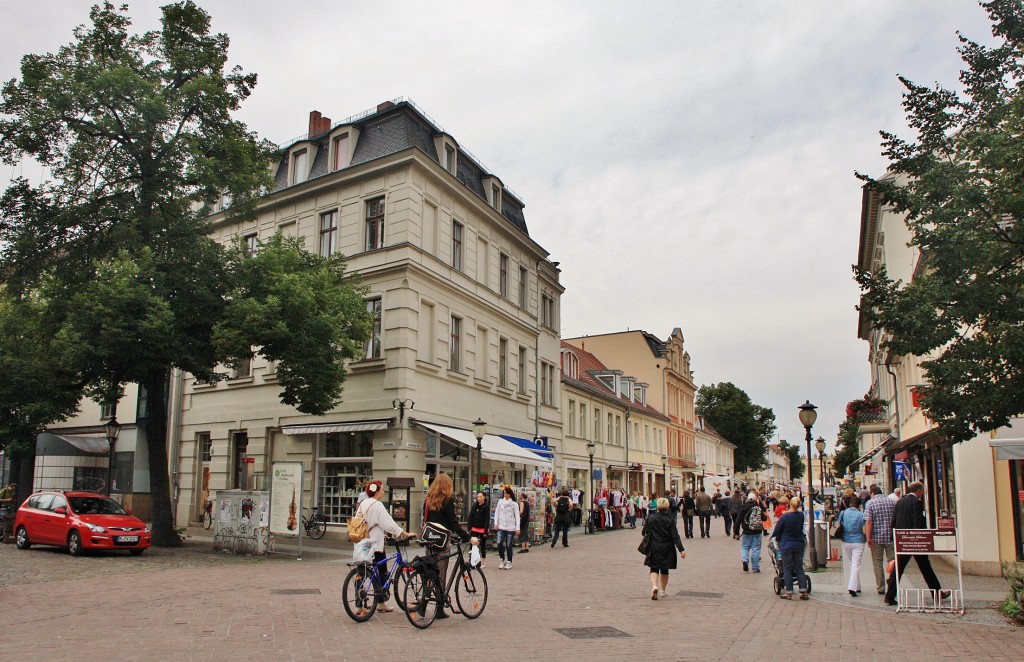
(940, 541)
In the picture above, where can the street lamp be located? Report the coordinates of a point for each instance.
(591, 448)
(112, 429)
(664, 474)
(807, 417)
(479, 430)
(819, 444)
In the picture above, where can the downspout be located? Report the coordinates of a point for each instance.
(896, 399)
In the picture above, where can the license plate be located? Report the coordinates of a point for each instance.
(128, 539)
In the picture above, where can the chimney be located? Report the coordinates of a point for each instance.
(384, 106)
(318, 124)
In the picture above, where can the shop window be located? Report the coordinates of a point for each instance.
(124, 472)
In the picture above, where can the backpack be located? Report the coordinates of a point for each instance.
(562, 506)
(357, 529)
(753, 521)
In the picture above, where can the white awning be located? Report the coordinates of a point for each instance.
(339, 426)
(494, 447)
(1008, 449)
(873, 451)
(91, 443)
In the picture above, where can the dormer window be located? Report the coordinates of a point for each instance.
(496, 197)
(300, 166)
(340, 151)
(449, 159)
(570, 365)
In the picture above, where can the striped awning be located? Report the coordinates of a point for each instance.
(339, 426)
(494, 446)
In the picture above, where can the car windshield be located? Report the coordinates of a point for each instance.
(96, 506)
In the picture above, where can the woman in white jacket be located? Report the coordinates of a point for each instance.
(378, 524)
(506, 523)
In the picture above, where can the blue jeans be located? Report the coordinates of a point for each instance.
(750, 550)
(506, 541)
(793, 565)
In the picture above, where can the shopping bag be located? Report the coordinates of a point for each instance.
(362, 551)
(474, 556)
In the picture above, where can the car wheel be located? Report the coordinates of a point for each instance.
(75, 543)
(136, 552)
(21, 538)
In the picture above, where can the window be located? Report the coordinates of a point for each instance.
(107, 410)
(547, 311)
(571, 418)
(496, 196)
(340, 151)
(522, 370)
(597, 424)
(142, 403)
(503, 362)
(449, 159)
(583, 420)
(503, 276)
(300, 166)
(372, 347)
(570, 364)
(455, 345)
(547, 383)
(374, 224)
(243, 369)
(328, 233)
(524, 279)
(205, 444)
(611, 430)
(618, 430)
(456, 245)
(251, 244)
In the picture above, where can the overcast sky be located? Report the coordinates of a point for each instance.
(689, 164)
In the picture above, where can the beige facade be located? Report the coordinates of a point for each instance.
(467, 306)
(715, 457)
(665, 367)
(967, 479)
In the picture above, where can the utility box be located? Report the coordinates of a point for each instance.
(241, 521)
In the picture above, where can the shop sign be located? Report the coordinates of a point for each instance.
(902, 471)
(286, 498)
(925, 541)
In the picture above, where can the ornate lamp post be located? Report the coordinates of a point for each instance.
(819, 445)
(703, 467)
(808, 416)
(479, 430)
(664, 473)
(112, 429)
(591, 448)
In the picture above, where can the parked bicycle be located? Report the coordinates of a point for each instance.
(315, 525)
(424, 594)
(207, 515)
(368, 584)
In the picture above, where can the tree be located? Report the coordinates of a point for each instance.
(731, 413)
(863, 410)
(796, 462)
(137, 133)
(962, 201)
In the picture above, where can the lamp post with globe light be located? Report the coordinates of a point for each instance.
(808, 415)
(591, 448)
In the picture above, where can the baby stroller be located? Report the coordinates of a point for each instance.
(776, 556)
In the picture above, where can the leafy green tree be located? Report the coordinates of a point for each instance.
(959, 186)
(137, 133)
(796, 461)
(847, 447)
(731, 413)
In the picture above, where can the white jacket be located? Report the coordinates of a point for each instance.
(506, 515)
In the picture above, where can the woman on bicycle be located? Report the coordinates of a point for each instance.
(440, 509)
(480, 522)
(378, 524)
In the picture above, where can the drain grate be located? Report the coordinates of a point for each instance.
(295, 591)
(603, 632)
(699, 594)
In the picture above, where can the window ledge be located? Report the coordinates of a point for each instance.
(270, 378)
(483, 382)
(524, 397)
(366, 365)
(458, 376)
(203, 386)
(426, 365)
(506, 391)
(238, 381)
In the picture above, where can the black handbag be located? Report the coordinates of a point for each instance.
(838, 532)
(645, 543)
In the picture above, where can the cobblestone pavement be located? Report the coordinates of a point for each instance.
(194, 603)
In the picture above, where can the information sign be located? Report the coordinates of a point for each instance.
(925, 541)
(286, 498)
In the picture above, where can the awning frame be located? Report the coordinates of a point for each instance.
(495, 448)
(363, 425)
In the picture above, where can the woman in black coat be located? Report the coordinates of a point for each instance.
(661, 552)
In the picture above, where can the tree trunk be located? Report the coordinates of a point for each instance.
(156, 441)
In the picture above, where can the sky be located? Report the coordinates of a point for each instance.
(689, 164)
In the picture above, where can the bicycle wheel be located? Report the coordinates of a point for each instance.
(471, 592)
(421, 603)
(317, 527)
(207, 520)
(398, 585)
(358, 595)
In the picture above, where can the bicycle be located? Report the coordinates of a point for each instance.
(590, 525)
(424, 595)
(207, 516)
(315, 525)
(368, 583)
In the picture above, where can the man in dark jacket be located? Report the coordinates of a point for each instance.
(723, 508)
(734, 512)
(704, 510)
(563, 517)
(909, 514)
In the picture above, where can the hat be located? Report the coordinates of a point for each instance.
(752, 496)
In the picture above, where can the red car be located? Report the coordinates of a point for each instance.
(79, 521)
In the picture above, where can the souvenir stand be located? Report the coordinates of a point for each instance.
(538, 499)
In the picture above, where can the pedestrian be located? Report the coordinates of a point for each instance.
(562, 507)
(852, 521)
(664, 541)
(704, 508)
(734, 512)
(524, 523)
(909, 514)
(689, 509)
(789, 531)
(878, 531)
(378, 524)
(752, 519)
(723, 509)
(631, 511)
(715, 499)
(506, 522)
(480, 522)
(896, 495)
(440, 509)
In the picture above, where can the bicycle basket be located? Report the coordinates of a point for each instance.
(435, 536)
(427, 565)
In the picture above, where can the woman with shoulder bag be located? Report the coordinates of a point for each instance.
(852, 521)
(689, 507)
(480, 522)
(664, 540)
(440, 509)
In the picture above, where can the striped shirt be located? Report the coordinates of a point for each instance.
(878, 512)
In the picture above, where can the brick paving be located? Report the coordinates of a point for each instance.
(196, 604)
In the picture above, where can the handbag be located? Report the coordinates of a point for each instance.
(435, 536)
(357, 529)
(838, 532)
(645, 543)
